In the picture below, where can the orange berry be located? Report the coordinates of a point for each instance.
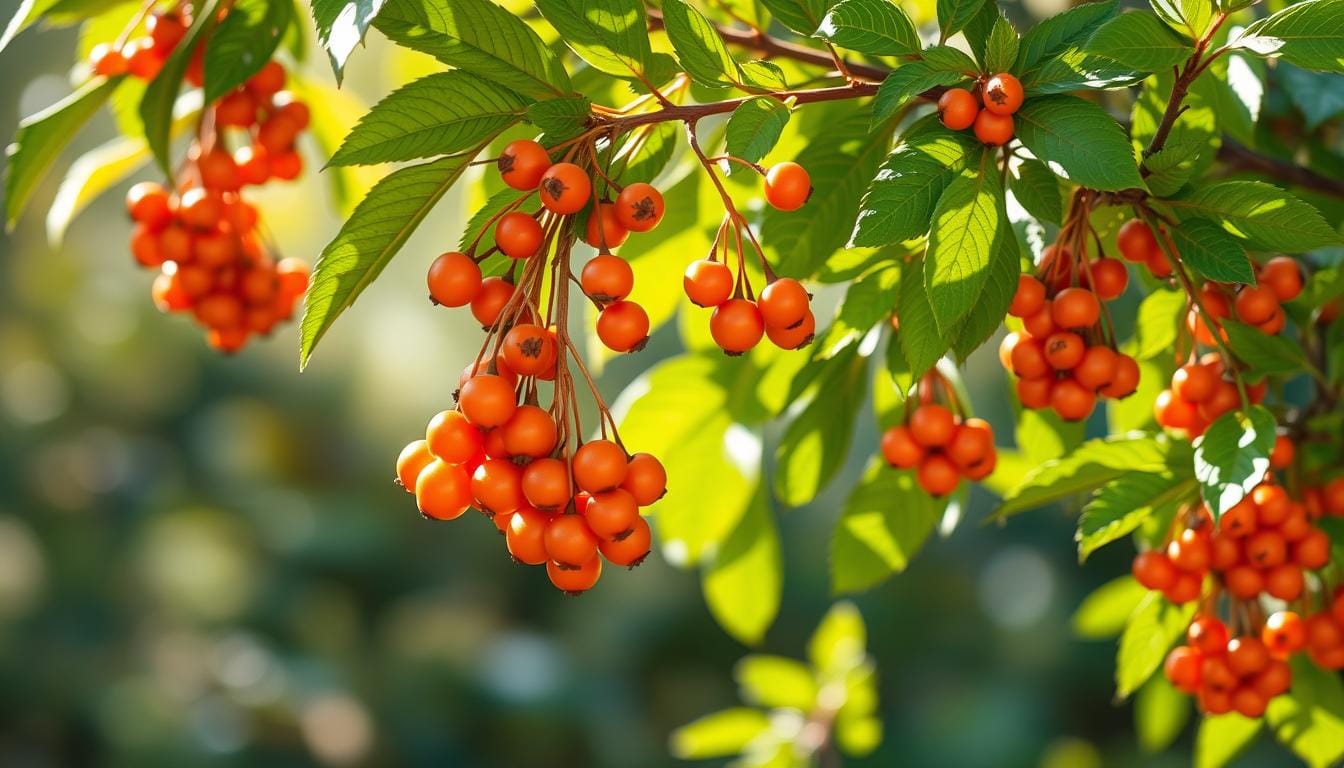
(1075, 308)
(639, 207)
(497, 486)
(937, 475)
(993, 130)
(454, 279)
(1029, 298)
(529, 349)
(518, 235)
(1028, 359)
(623, 326)
(1035, 393)
(1256, 304)
(443, 490)
(795, 337)
(900, 449)
(107, 61)
(237, 109)
(1246, 656)
(1002, 94)
(604, 230)
(787, 186)
(645, 479)
(452, 438)
(1182, 668)
(569, 540)
(957, 108)
(783, 303)
(599, 465)
(1064, 350)
(1285, 582)
(972, 443)
(1283, 276)
(1071, 400)
(530, 432)
(565, 188)
(1284, 634)
(526, 536)
(1109, 278)
(1136, 241)
(607, 278)
(736, 326)
(574, 580)
(148, 204)
(707, 283)
(546, 483)
(489, 301)
(611, 514)
(522, 164)
(1208, 635)
(487, 400)
(413, 458)
(932, 425)
(1125, 380)
(631, 549)
(1153, 569)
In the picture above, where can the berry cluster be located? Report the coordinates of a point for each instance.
(205, 237)
(500, 457)
(1063, 357)
(1325, 633)
(1241, 674)
(988, 111)
(1200, 392)
(782, 312)
(940, 445)
(1138, 244)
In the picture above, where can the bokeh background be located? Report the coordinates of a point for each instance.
(203, 560)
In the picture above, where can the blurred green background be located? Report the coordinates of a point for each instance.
(203, 560)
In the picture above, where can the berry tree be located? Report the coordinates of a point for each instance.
(1141, 206)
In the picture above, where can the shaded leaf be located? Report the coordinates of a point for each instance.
(1104, 613)
(743, 580)
(245, 40)
(1211, 252)
(1153, 629)
(962, 235)
(884, 523)
(1232, 457)
(755, 127)
(1269, 217)
(1079, 141)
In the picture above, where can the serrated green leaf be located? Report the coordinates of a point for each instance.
(775, 681)
(962, 235)
(758, 75)
(954, 15)
(374, 233)
(1105, 611)
(755, 127)
(945, 58)
(721, 734)
(1092, 465)
(1309, 35)
(921, 341)
(874, 27)
(1160, 714)
(1153, 629)
(156, 106)
(743, 579)
(901, 199)
(699, 46)
(816, 442)
(884, 523)
(1267, 216)
(1122, 505)
(1172, 166)
(801, 16)
(1139, 41)
(1079, 141)
(560, 119)
(41, 137)
(1051, 36)
(1211, 252)
(1001, 47)
(1263, 354)
(1076, 69)
(341, 25)
(1222, 738)
(1160, 314)
(906, 83)
(1232, 457)
(643, 158)
(480, 37)
(245, 40)
(985, 318)
(611, 35)
(1037, 189)
(439, 114)
(1309, 719)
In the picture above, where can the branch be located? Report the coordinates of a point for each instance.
(1238, 157)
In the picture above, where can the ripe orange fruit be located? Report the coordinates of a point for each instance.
(1071, 400)
(604, 230)
(957, 108)
(108, 61)
(413, 458)
(1097, 368)
(1029, 297)
(611, 514)
(1194, 382)
(497, 486)
(443, 490)
(623, 326)
(1064, 350)
(736, 326)
(1075, 308)
(453, 279)
(900, 449)
(1283, 275)
(937, 475)
(569, 540)
(707, 283)
(639, 207)
(148, 204)
(599, 465)
(1035, 393)
(1002, 94)
(1028, 358)
(529, 349)
(575, 581)
(631, 549)
(565, 188)
(992, 129)
(487, 400)
(783, 303)
(522, 164)
(1153, 569)
(932, 425)
(546, 484)
(645, 479)
(526, 536)
(490, 300)
(1136, 241)
(796, 337)
(1042, 323)
(452, 438)
(1109, 278)
(530, 432)
(972, 443)
(787, 186)
(607, 278)
(518, 235)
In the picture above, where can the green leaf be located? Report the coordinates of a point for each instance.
(962, 236)
(341, 25)
(1172, 166)
(27, 14)
(1313, 93)
(611, 35)
(839, 643)
(1092, 465)
(1001, 47)
(900, 201)
(1160, 714)
(1153, 629)
(1079, 141)
(1077, 69)
(1037, 189)
(775, 681)
(1123, 504)
(1051, 36)
(1107, 609)
(874, 27)
(1232, 457)
(560, 119)
(245, 40)
(41, 137)
(755, 127)
(985, 318)
(1140, 41)
(922, 344)
(1211, 252)
(954, 15)
(1160, 314)
(1268, 217)
(945, 58)
(439, 114)
(801, 16)
(699, 47)
(1309, 35)
(868, 301)
(743, 579)
(762, 76)
(480, 37)
(840, 167)
(368, 240)
(816, 442)
(1042, 435)
(884, 523)
(1309, 719)
(1263, 354)
(1222, 738)
(906, 83)
(722, 734)
(156, 107)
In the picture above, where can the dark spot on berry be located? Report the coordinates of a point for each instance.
(506, 162)
(530, 347)
(997, 95)
(644, 209)
(554, 187)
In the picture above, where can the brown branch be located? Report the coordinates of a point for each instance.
(1238, 157)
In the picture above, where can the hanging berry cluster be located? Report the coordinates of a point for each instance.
(988, 112)
(939, 443)
(1241, 673)
(1065, 357)
(204, 238)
